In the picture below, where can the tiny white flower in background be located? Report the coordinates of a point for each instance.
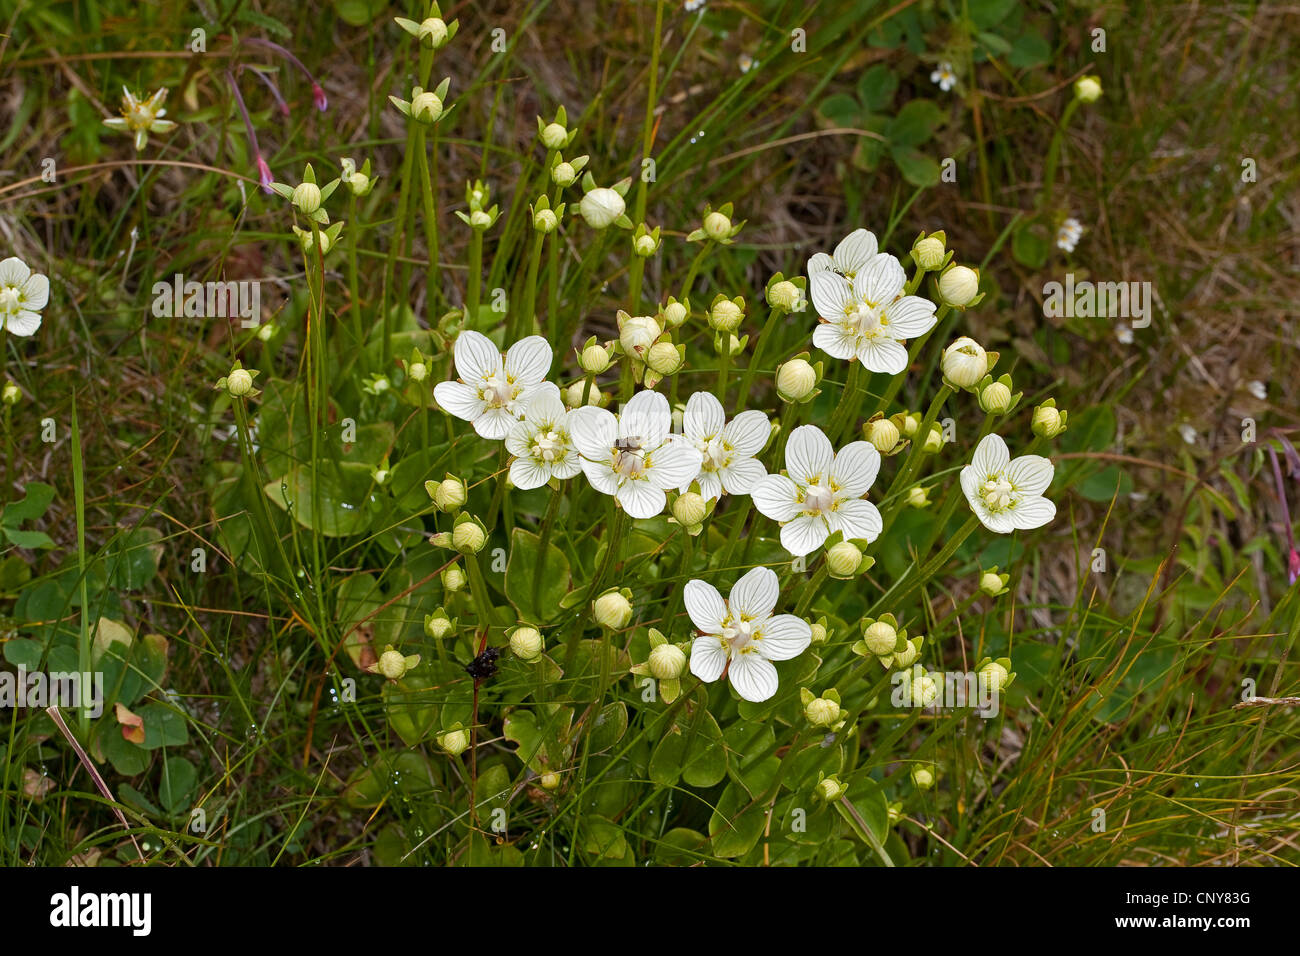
(727, 448)
(745, 62)
(1068, 235)
(493, 391)
(867, 317)
(142, 118)
(944, 77)
(1007, 495)
(741, 635)
(23, 294)
(821, 492)
(1258, 389)
(1188, 433)
(693, 5)
(853, 254)
(1124, 333)
(632, 455)
(541, 443)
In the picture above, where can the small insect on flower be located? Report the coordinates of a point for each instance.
(484, 666)
(142, 118)
(944, 77)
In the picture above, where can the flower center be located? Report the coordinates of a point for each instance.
(998, 493)
(867, 319)
(716, 455)
(498, 391)
(738, 635)
(817, 498)
(548, 445)
(10, 299)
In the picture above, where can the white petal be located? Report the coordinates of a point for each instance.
(460, 400)
(820, 262)
(783, 637)
(24, 323)
(830, 294)
(476, 357)
(520, 439)
(1032, 513)
(808, 455)
(645, 416)
(776, 497)
(755, 594)
(883, 355)
(836, 341)
(1000, 523)
(708, 659)
(709, 482)
(641, 499)
(494, 423)
(804, 534)
(910, 316)
(704, 605)
(567, 467)
(704, 417)
(855, 251)
(991, 456)
(747, 433)
(855, 469)
(881, 281)
(545, 407)
(13, 271)
(672, 463)
(593, 431)
(37, 291)
(754, 677)
(602, 477)
(528, 360)
(742, 474)
(857, 519)
(1031, 474)
(527, 474)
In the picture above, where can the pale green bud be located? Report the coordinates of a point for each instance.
(958, 286)
(468, 538)
(964, 362)
(612, 610)
(883, 434)
(667, 662)
(796, 379)
(526, 643)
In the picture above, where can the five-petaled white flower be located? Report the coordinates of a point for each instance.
(868, 317)
(821, 492)
(23, 294)
(541, 443)
(853, 254)
(142, 118)
(493, 392)
(741, 635)
(944, 77)
(1068, 235)
(1007, 495)
(631, 455)
(727, 448)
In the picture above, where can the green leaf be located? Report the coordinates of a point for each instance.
(522, 569)
(24, 652)
(36, 499)
(164, 726)
(1105, 484)
(735, 831)
(916, 167)
(1029, 49)
(179, 778)
(988, 13)
(409, 705)
(610, 726)
(995, 44)
(1029, 245)
(28, 539)
(876, 87)
(342, 507)
(133, 558)
(841, 110)
(914, 124)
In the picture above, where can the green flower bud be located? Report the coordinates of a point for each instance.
(819, 633)
(1088, 89)
(546, 221)
(1048, 421)
(958, 286)
(928, 253)
(784, 295)
(468, 537)
(636, 333)
(667, 662)
(437, 626)
(665, 358)
(612, 610)
(933, 441)
(455, 742)
(564, 175)
(12, 394)
(453, 579)
(991, 583)
(690, 509)
(426, 107)
(796, 380)
(717, 226)
(674, 314)
(449, 494)
(549, 780)
(822, 712)
(239, 382)
(964, 363)
(830, 789)
(993, 676)
(554, 136)
(918, 497)
(307, 197)
(880, 638)
(433, 33)
(995, 398)
(645, 246)
(526, 643)
(726, 315)
(882, 433)
(601, 207)
(922, 777)
(843, 560)
(594, 359)
(573, 395)
(418, 371)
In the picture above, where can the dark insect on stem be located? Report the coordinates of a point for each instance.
(483, 666)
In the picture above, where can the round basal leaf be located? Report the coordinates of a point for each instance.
(735, 825)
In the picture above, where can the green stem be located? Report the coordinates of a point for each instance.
(476, 274)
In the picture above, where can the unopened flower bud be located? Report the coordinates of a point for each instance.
(993, 676)
(958, 285)
(664, 358)
(468, 538)
(12, 394)
(426, 107)
(455, 742)
(918, 497)
(784, 295)
(418, 371)
(821, 712)
(594, 359)
(1088, 88)
(449, 494)
(883, 434)
(437, 626)
(717, 226)
(725, 316)
(928, 253)
(922, 777)
(645, 246)
(526, 643)
(554, 136)
(795, 380)
(546, 221)
(573, 395)
(453, 579)
(612, 610)
(239, 382)
(690, 509)
(830, 789)
(433, 33)
(991, 583)
(880, 638)
(925, 690)
(667, 662)
(480, 220)
(674, 314)
(964, 362)
(601, 207)
(843, 560)
(933, 441)
(1048, 421)
(563, 174)
(549, 780)
(819, 634)
(995, 398)
(307, 197)
(638, 333)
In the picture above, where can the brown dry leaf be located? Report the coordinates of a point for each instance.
(132, 724)
(36, 785)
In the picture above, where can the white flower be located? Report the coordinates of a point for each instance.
(868, 317)
(853, 254)
(631, 455)
(1258, 389)
(23, 294)
(741, 635)
(142, 118)
(1068, 235)
(821, 492)
(1188, 433)
(727, 448)
(745, 62)
(541, 443)
(1007, 495)
(1124, 333)
(492, 393)
(944, 77)
(693, 5)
